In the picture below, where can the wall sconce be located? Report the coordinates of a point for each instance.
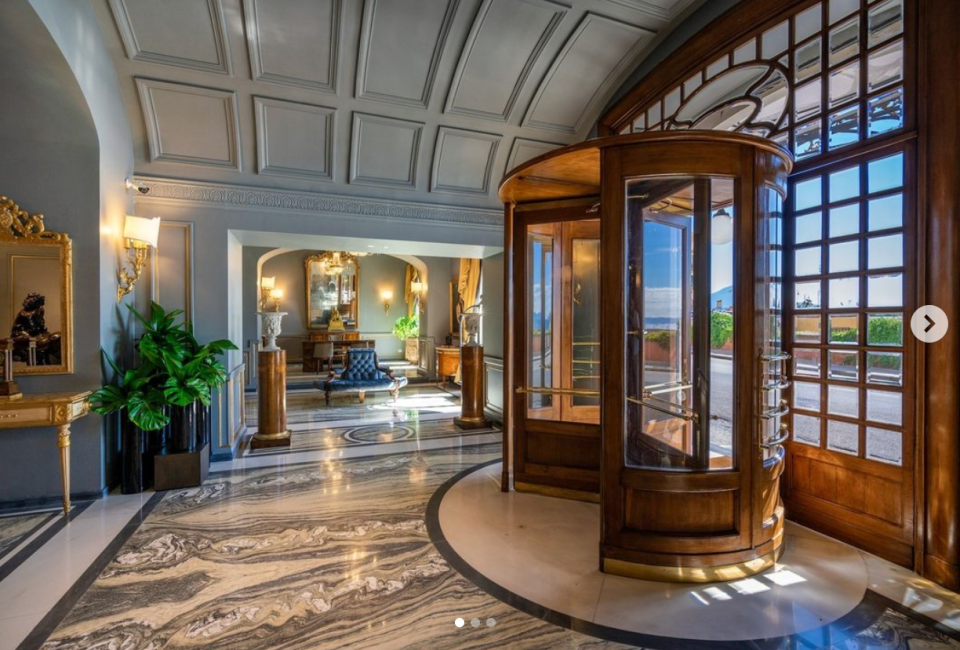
(266, 286)
(416, 288)
(276, 295)
(386, 296)
(139, 234)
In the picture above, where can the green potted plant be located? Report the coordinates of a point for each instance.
(135, 395)
(200, 371)
(187, 373)
(407, 329)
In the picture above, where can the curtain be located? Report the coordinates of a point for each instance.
(469, 289)
(408, 296)
(469, 285)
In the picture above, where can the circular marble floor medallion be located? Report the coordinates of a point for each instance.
(540, 554)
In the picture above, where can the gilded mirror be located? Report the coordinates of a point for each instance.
(332, 282)
(36, 293)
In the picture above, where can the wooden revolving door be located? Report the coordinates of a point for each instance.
(693, 368)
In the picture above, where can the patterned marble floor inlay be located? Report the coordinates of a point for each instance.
(16, 528)
(307, 408)
(374, 434)
(339, 554)
(334, 555)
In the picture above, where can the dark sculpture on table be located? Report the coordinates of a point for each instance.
(30, 334)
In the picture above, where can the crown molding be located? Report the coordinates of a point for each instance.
(163, 189)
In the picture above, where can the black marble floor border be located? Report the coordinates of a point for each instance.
(43, 522)
(285, 452)
(24, 553)
(866, 613)
(42, 631)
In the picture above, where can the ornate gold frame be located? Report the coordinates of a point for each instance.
(317, 257)
(19, 227)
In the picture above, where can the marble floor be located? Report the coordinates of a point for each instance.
(406, 542)
(540, 553)
(15, 528)
(346, 554)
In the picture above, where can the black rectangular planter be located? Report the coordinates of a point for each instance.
(184, 469)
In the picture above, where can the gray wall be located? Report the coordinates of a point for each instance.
(492, 273)
(214, 223)
(67, 151)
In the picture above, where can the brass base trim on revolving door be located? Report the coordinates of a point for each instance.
(722, 573)
(557, 492)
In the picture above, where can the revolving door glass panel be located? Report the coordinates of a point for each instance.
(680, 321)
(562, 314)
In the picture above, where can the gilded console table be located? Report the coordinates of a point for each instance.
(48, 410)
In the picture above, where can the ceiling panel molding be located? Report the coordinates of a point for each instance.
(198, 41)
(663, 10)
(192, 125)
(595, 56)
(490, 76)
(398, 65)
(294, 139)
(463, 161)
(384, 151)
(239, 196)
(524, 150)
(294, 42)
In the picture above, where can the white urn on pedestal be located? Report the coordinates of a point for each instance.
(270, 326)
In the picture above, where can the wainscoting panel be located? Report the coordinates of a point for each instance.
(234, 422)
(172, 270)
(493, 385)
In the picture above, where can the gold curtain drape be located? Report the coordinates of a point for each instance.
(408, 296)
(469, 290)
(469, 285)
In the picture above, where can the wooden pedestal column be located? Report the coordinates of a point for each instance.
(471, 388)
(272, 401)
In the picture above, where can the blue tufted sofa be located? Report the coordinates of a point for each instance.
(362, 373)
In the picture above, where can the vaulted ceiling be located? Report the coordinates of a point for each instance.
(421, 100)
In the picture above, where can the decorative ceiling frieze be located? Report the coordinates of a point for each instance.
(234, 196)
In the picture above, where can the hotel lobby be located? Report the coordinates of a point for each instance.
(480, 324)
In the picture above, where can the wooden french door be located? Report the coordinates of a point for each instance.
(851, 264)
(557, 344)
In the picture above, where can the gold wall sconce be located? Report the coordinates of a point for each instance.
(276, 295)
(386, 297)
(140, 235)
(267, 285)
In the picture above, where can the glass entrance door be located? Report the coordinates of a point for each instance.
(557, 340)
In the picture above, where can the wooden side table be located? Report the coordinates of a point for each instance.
(46, 410)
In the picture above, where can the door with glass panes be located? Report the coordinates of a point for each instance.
(851, 458)
(557, 341)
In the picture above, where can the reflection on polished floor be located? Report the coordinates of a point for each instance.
(350, 552)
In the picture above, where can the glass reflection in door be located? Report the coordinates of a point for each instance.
(540, 321)
(585, 308)
(679, 353)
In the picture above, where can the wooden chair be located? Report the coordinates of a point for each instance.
(323, 353)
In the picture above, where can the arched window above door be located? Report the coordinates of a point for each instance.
(827, 76)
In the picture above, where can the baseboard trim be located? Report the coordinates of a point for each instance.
(44, 502)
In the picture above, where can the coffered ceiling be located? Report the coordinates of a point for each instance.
(428, 101)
